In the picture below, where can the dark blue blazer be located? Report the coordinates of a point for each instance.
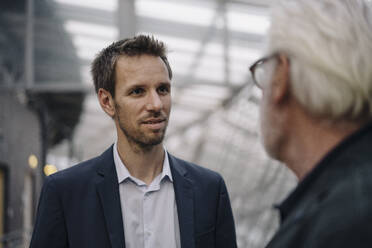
(80, 207)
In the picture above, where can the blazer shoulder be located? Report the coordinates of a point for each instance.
(78, 173)
(196, 171)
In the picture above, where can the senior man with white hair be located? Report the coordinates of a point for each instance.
(316, 114)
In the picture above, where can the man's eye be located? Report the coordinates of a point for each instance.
(163, 89)
(137, 91)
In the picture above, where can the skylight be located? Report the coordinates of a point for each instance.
(175, 11)
(108, 5)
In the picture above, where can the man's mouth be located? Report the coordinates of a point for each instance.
(155, 123)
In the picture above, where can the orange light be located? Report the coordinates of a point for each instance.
(50, 169)
(32, 161)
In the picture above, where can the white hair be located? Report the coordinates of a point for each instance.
(329, 45)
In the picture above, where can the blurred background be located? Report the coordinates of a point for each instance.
(50, 118)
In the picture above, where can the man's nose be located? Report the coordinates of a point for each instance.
(154, 102)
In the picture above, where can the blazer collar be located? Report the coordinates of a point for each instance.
(108, 191)
(183, 189)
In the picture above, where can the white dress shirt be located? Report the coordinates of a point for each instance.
(149, 211)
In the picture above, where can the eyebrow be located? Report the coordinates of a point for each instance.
(136, 86)
(165, 83)
(145, 86)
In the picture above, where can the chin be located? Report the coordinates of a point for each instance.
(266, 144)
(270, 139)
(273, 143)
(271, 151)
(153, 141)
(271, 131)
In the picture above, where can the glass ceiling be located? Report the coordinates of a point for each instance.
(211, 43)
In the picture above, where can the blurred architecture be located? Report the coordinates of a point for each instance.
(214, 116)
(41, 99)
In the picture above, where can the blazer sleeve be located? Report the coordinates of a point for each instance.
(49, 230)
(225, 228)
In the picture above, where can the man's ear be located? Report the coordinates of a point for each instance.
(106, 101)
(280, 85)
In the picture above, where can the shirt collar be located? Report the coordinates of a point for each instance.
(123, 173)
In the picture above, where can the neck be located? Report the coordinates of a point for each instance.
(144, 163)
(310, 139)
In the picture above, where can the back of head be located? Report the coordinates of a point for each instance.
(329, 45)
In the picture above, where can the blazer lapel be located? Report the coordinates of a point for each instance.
(185, 203)
(108, 191)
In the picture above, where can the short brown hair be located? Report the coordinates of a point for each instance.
(103, 66)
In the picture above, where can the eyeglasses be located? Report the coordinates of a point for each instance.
(259, 72)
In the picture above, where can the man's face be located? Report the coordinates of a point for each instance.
(271, 122)
(269, 129)
(142, 99)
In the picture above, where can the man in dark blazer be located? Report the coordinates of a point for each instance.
(125, 197)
